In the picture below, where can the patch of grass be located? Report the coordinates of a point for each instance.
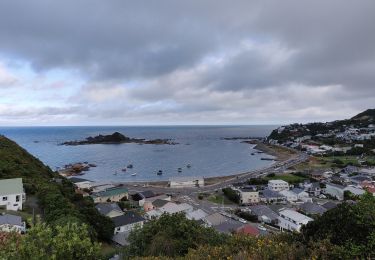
(218, 199)
(108, 250)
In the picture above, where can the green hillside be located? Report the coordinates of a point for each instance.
(55, 194)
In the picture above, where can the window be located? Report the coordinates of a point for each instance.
(5, 198)
(17, 198)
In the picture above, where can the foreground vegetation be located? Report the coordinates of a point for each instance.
(60, 205)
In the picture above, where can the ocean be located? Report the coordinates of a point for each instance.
(200, 146)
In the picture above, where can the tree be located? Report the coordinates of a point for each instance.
(71, 241)
(170, 235)
(351, 228)
(231, 195)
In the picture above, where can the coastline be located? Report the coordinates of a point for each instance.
(280, 153)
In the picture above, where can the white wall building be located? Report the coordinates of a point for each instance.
(292, 220)
(183, 182)
(127, 222)
(278, 185)
(290, 196)
(12, 194)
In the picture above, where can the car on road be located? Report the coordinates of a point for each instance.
(242, 220)
(261, 227)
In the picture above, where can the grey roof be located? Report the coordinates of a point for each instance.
(270, 194)
(297, 190)
(148, 193)
(77, 180)
(228, 226)
(360, 178)
(312, 208)
(11, 220)
(215, 219)
(329, 205)
(121, 238)
(159, 203)
(129, 217)
(262, 210)
(336, 185)
(315, 185)
(105, 208)
(11, 186)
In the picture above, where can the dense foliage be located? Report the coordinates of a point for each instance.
(171, 235)
(232, 195)
(55, 194)
(71, 241)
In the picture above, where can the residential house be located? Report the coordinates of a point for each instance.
(248, 230)
(127, 222)
(355, 190)
(169, 208)
(12, 223)
(264, 213)
(335, 190)
(314, 189)
(148, 203)
(311, 208)
(292, 220)
(109, 209)
(12, 194)
(278, 185)
(289, 195)
(228, 227)
(214, 219)
(270, 196)
(110, 195)
(196, 214)
(81, 183)
(248, 195)
(301, 194)
(329, 205)
(358, 179)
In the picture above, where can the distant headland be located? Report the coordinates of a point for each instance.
(118, 138)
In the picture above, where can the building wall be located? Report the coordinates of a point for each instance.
(289, 225)
(249, 197)
(12, 201)
(278, 186)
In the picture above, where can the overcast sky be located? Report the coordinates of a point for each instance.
(118, 62)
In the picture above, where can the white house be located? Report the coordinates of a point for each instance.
(81, 183)
(335, 190)
(127, 222)
(12, 223)
(278, 185)
(292, 220)
(248, 195)
(183, 182)
(12, 194)
(289, 195)
(302, 195)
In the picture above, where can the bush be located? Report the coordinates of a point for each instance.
(231, 195)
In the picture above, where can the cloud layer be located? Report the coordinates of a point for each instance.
(173, 62)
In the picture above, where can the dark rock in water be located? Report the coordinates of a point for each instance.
(117, 138)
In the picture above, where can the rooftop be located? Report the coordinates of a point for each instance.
(110, 192)
(277, 182)
(298, 217)
(11, 186)
(129, 217)
(105, 208)
(11, 220)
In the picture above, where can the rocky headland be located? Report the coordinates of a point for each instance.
(117, 138)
